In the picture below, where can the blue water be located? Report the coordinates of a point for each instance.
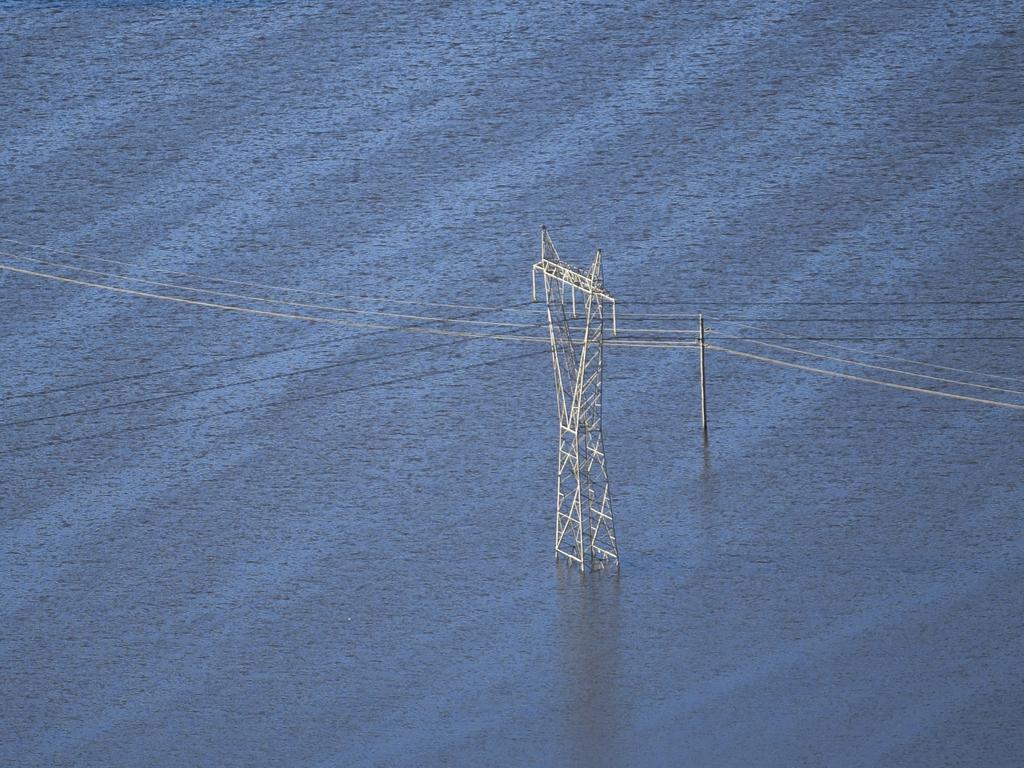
(352, 565)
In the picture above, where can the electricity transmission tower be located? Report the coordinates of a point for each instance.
(584, 528)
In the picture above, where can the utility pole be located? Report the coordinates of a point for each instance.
(584, 527)
(703, 387)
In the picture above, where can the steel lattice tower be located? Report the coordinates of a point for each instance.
(584, 527)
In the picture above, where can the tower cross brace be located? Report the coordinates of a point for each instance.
(584, 526)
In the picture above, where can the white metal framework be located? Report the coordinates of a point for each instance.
(584, 528)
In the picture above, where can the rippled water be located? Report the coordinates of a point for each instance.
(352, 565)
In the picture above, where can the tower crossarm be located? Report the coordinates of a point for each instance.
(572, 277)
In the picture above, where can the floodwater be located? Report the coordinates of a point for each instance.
(315, 544)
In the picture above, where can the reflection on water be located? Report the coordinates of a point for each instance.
(590, 676)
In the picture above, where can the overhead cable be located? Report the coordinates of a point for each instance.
(345, 362)
(217, 361)
(256, 406)
(936, 366)
(249, 284)
(308, 318)
(264, 299)
(703, 302)
(261, 312)
(864, 379)
(820, 356)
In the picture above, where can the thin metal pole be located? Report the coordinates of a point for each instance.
(703, 385)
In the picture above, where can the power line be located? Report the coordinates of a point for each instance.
(625, 342)
(692, 332)
(882, 367)
(228, 385)
(623, 302)
(973, 337)
(698, 302)
(649, 344)
(257, 406)
(935, 366)
(191, 366)
(296, 316)
(260, 312)
(263, 299)
(678, 331)
(830, 320)
(896, 338)
(864, 379)
(175, 369)
(262, 286)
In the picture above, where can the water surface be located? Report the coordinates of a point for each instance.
(352, 565)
